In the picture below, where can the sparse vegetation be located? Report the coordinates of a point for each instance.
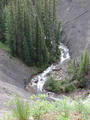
(79, 70)
(59, 86)
(84, 64)
(4, 47)
(41, 109)
(21, 110)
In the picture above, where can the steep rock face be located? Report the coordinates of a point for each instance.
(13, 74)
(75, 18)
(13, 71)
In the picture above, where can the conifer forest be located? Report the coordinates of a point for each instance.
(31, 30)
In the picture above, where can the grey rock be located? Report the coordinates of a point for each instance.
(75, 18)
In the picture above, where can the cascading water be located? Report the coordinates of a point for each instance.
(39, 80)
(64, 53)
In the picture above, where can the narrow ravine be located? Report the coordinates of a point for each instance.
(38, 81)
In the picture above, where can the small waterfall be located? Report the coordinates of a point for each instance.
(39, 80)
(64, 53)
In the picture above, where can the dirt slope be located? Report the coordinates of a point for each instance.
(75, 17)
(13, 71)
(12, 78)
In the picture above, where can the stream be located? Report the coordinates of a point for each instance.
(38, 81)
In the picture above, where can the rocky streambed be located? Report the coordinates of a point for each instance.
(58, 70)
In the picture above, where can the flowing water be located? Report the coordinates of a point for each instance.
(39, 80)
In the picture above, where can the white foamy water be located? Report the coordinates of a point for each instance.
(39, 80)
(64, 53)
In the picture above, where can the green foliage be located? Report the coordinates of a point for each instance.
(51, 85)
(2, 20)
(79, 70)
(65, 109)
(4, 47)
(83, 108)
(84, 63)
(21, 111)
(81, 67)
(70, 87)
(7, 117)
(32, 31)
(72, 69)
(58, 86)
(61, 117)
(39, 109)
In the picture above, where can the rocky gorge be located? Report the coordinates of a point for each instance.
(75, 18)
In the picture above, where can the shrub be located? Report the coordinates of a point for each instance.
(58, 86)
(50, 84)
(39, 107)
(61, 117)
(83, 70)
(53, 85)
(84, 63)
(21, 110)
(65, 109)
(79, 70)
(69, 88)
(72, 69)
(81, 107)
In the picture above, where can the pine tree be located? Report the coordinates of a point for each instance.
(32, 31)
(84, 63)
(3, 3)
(41, 49)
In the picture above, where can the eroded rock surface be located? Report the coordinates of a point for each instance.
(13, 71)
(13, 74)
(75, 18)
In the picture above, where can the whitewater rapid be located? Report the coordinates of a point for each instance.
(39, 80)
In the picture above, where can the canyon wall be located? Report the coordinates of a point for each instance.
(75, 18)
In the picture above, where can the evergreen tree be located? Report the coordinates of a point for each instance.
(84, 63)
(41, 49)
(3, 3)
(32, 31)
